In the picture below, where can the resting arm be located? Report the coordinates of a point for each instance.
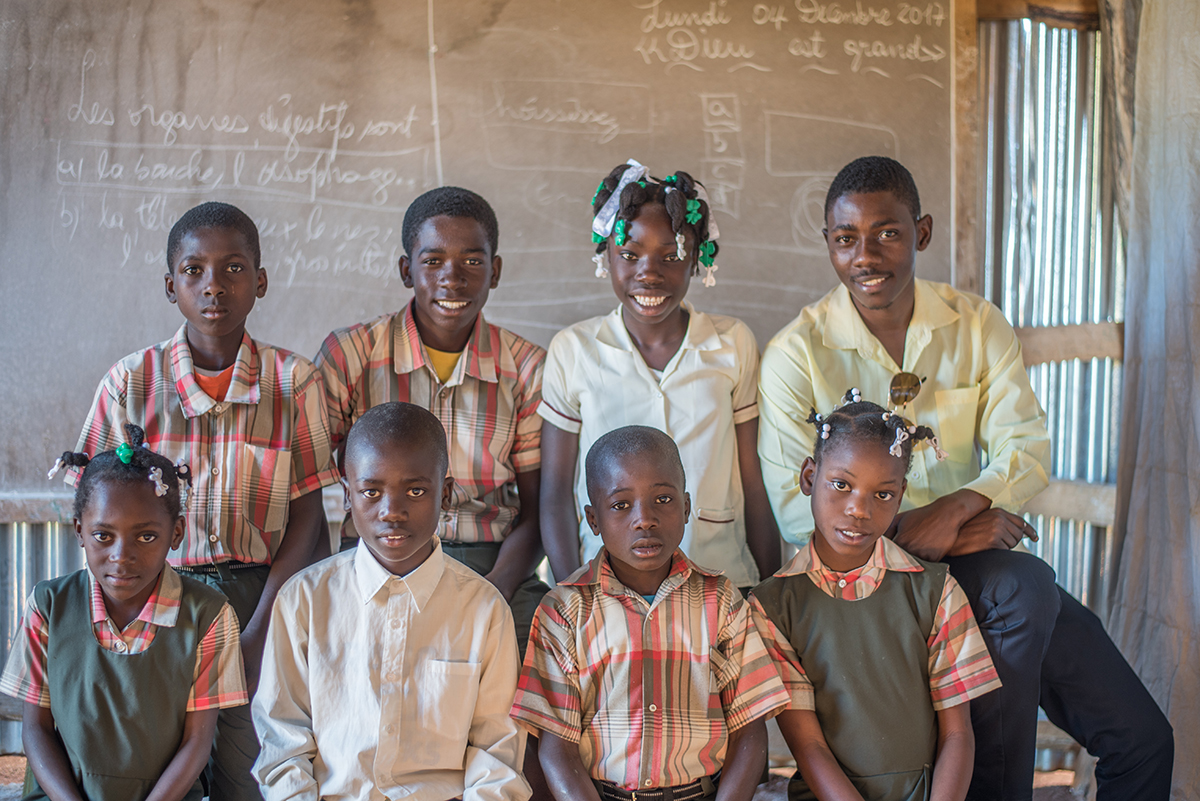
(955, 754)
(762, 534)
(746, 754)
(817, 764)
(46, 756)
(559, 520)
(565, 773)
(180, 776)
(522, 548)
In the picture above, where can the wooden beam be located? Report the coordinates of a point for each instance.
(1059, 343)
(1083, 14)
(1076, 500)
(968, 245)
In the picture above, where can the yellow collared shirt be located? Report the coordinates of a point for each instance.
(976, 397)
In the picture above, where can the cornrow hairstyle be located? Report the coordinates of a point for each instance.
(212, 215)
(448, 201)
(864, 421)
(875, 174)
(637, 194)
(128, 463)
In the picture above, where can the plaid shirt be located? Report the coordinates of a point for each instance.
(649, 691)
(251, 454)
(218, 680)
(488, 408)
(959, 665)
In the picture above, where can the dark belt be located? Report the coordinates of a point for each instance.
(706, 785)
(222, 569)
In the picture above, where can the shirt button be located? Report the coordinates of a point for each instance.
(648, 782)
(842, 583)
(121, 646)
(653, 708)
(916, 475)
(213, 538)
(388, 729)
(395, 624)
(218, 408)
(216, 471)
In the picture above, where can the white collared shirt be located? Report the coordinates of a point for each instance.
(596, 381)
(376, 686)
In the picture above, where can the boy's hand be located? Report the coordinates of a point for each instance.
(253, 639)
(992, 530)
(931, 531)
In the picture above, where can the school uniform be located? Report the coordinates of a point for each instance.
(649, 690)
(597, 381)
(976, 396)
(381, 686)
(119, 697)
(250, 453)
(913, 649)
(487, 406)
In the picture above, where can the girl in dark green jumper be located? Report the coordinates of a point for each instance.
(123, 665)
(879, 650)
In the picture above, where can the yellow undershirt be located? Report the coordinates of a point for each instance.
(443, 363)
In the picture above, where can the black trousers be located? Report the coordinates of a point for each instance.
(1051, 651)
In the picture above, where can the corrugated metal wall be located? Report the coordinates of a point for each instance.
(1050, 257)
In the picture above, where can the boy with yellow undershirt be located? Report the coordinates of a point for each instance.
(482, 382)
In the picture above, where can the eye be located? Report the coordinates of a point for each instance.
(839, 485)
(102, 536)
(627, 256)
(235, 268)
(148, 537)
(671, 257)
(885, 495)
(620, 506)
(889, 234)
(474, 262)
(416, 492)
(190, 269)
(663, 499)
(842, 239)
(372, 494)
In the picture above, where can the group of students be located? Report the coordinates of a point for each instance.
(629, 454)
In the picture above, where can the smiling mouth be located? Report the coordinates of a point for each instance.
(852, 537)
(649, 301)
(452, 305)
(872, 282)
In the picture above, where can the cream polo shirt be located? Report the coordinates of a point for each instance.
(375, 686)
(596, 380)
(976, 398)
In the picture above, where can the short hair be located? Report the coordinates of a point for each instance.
(863, 421)
(629, 441)
(212, 215)
(637, 194)
(875, 174)
(403, 424)
(111, 467)
(448, 201)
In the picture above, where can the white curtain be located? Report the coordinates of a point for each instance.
(1155, 616)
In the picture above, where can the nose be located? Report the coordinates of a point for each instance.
(391, 509)
(452, 275)
(645, 517)
(214, 285)
(648, 273)
(856, 507)
(865, 252)
(120, 551)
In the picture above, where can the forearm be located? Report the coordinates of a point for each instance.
(746, 754)
(558, 519)
(183, 770)
(46, 756)
(955, 759)
(930, 531)
(565, 773)
(762, 532)
(817, 764)
(521, 550)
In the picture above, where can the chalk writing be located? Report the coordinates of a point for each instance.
(812, 47)
(570, 112)
(658, 19)
(724, 163)
(386, 128)
(95, 115)
(769, 15)
(330, 118)
(915, 50)
(172, 122)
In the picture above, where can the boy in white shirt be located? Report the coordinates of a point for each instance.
(389, 669)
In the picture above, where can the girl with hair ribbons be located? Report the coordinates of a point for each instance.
(658, 361)
(123, 665)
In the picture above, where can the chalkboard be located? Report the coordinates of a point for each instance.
(324, 119)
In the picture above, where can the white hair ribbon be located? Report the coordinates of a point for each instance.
(58, 465)
(602, 223)
(160, 486)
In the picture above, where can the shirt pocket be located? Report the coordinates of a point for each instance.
(449, 692)
(957, 410)
(722, 671)
(264, 483)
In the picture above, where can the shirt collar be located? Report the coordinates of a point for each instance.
(162, 607)
(600, 572)
(844, 328)
(478, 359)
(701, 334)
(371, 576)
(243, 386)
(886, 555)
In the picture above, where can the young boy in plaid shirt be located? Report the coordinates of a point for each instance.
(644, 677)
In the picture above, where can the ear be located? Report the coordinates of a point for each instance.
(497, 263)
(808, 476)
(405, 273)
(592, 521)
(262, 282)
(78, 525)
(687, 506)
(169, 281)
(924, 231)
(177, 535)
(825, 234)
(345, 495)
(448, 493)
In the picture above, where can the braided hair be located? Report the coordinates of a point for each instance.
(867, 422)
(128, 463)
(637, 194)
